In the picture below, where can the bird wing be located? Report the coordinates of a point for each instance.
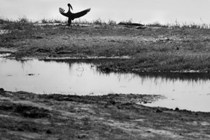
(80, 14)
(62, 11)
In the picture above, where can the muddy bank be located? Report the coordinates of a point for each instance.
(60, 117)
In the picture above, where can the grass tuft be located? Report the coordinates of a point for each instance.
(51, 21)
(98, 22)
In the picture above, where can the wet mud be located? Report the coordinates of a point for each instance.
(30, 116)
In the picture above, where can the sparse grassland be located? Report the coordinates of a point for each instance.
(153, 48)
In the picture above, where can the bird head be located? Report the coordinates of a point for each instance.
(69, 5)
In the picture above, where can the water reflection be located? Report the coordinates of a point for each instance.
(189, 76)
(84, 78)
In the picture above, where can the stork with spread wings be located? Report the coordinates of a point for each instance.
(71, 16)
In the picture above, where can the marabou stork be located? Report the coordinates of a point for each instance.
(71, 16)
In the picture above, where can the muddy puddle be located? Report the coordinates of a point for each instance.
(84, 79)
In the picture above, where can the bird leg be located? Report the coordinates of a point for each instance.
(69, 21)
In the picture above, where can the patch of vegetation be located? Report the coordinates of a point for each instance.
(112, 22)
(156, 24)
(21, 24)
(51, 21)
(180, 25)
(25, 110)
(4, 21)
(163, 49)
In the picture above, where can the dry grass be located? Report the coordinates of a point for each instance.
(166, 48)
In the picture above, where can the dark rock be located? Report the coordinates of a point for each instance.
(177, 109)
(1, 90)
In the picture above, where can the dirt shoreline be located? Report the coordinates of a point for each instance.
(28, 116)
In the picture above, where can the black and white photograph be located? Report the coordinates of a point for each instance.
(104, 70)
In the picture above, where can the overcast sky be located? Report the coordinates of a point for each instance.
(144, 11)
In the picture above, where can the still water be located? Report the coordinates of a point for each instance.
(84, 79)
